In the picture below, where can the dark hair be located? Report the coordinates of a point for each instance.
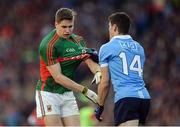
(122, 21)
(64, 13)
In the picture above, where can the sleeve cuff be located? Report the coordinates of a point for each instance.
(104, 65)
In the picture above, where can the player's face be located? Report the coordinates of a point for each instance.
(64, 28)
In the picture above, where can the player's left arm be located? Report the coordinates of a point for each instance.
(93, 66)
(103, 90)
(92, 63)
(95, 69)
(104, 86)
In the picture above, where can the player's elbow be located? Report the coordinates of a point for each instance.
(58, 78)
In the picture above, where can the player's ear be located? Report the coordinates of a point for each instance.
(115, 28)
(55, 23)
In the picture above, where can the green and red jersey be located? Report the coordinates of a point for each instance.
(68, 52)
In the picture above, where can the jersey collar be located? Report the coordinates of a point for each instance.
(121, 37)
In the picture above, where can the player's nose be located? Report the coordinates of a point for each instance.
(67, 30)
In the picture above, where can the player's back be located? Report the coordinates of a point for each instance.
(126, 62)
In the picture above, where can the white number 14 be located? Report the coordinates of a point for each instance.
(136, 59)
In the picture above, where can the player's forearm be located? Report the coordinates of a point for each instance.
(68, 83)
(103, 90)
(104, 85)
(55, 71)
(93, 66)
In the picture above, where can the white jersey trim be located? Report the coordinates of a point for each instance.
(104, 65)
(121, 37)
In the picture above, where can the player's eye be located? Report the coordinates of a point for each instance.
(70, 26)
(67, 26)
(64, 26)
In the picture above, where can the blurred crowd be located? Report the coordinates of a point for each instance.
(156, 25)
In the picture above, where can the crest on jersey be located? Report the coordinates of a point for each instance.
(49, 108)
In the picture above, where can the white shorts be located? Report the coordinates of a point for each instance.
(56, 104)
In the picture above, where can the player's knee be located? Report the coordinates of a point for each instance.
(52, 120)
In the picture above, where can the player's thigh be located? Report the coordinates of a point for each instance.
(144, 110)
(70, 111)
(130, 123)
(71, 120)
(47, 104)
(126, 109)
(69, 107)
(53, 120)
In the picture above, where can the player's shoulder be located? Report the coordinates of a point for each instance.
(106, 46)
(109, 44)
(49, 38)
(140, 46)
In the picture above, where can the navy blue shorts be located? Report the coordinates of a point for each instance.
(130, 109)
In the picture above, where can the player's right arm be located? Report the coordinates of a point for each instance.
(104, 86)
(55, 71)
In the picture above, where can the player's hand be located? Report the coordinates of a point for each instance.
(98, 111)
(91, 95)
(97, 78)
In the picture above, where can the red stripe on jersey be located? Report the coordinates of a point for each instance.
(47, 51)
(44, 73)
(79, 57)
(50, 49)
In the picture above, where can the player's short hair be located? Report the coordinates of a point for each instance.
(64, 14)
(122, 20)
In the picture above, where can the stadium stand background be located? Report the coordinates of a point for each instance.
(24, 22)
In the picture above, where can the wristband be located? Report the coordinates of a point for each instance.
(85, 90)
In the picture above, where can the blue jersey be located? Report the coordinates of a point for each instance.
(125, 59)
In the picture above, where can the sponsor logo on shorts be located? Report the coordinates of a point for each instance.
(49, 108)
